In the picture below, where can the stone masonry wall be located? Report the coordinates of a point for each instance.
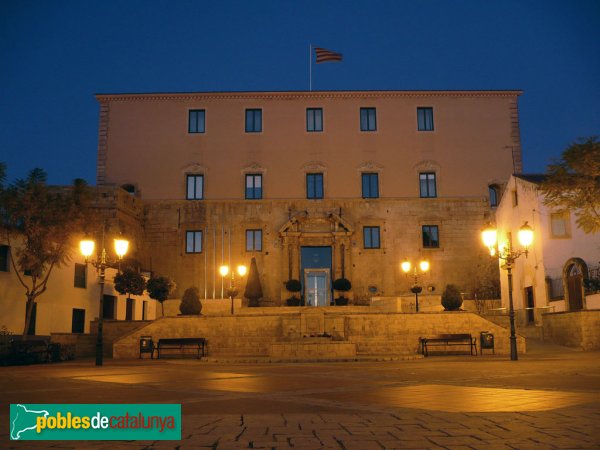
(579, 329)
(252, 331)
(400, 222)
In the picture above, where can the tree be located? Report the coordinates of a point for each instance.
(129, 282)
(573, 183)
(42, 219)
(159, 289)
(253, 290)
(190, 302)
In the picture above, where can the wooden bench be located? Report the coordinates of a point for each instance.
(443, 340)
(198, 345)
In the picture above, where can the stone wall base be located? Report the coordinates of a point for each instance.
(261, 331)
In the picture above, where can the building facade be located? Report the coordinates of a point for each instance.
(71, 301)
(550, 278)
(314, 185)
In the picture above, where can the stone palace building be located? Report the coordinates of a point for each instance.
(314, 185)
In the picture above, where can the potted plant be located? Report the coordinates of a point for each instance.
(293, 286)
(342, 285)
(451, 298)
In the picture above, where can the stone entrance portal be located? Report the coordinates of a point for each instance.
(317, 245)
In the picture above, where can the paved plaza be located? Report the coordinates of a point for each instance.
(550, 398)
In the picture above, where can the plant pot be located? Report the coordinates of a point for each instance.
(341, 301)
(293, 301)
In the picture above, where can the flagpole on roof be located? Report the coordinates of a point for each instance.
(310, 67)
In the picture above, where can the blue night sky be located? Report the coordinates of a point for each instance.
(54, 55)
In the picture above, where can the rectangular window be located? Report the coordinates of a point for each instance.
(129, 308)
(196, 121)
(80, 280)
(78, 321)
(368, 119)
(193, 241)
(427, 185)
(370, 185)
(515, 198)
(314, 119)
(425, 119)
(195, 187)
(109, 306)
(314, 185)
(253, 120)
(493, 190)
(253, 186)
(559, 224)
(254, 240)
(431, 237)
(371, 237)
(4, 256)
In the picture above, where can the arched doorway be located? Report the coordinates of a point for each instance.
(574, 272)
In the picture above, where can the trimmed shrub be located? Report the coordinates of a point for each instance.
(293, 285)
(451, 298)
(342, 285)
(190, 302)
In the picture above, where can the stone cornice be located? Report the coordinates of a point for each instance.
(291, 95)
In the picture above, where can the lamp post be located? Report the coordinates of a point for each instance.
(231, 292)
(86, 247)
(505, 253)
(416, 288)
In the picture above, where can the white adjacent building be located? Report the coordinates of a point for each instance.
(70, 302)
(550, 278)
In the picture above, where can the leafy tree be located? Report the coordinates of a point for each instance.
(40, 220)
(451, 298)
(253, 290)
(190, 302)
(159, 289)
(129, 282)
(573, 183)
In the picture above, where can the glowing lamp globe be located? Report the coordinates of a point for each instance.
(525, 235)
(121, 247)
(224, 270)
(489, 236)
(424, 266)
(86, 247)
(242, 270)
(405, 266)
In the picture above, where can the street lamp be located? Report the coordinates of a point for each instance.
(504, 252)
(416, 288)
(86, 247)
(231, 292)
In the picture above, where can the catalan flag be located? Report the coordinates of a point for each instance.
(324, 55)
